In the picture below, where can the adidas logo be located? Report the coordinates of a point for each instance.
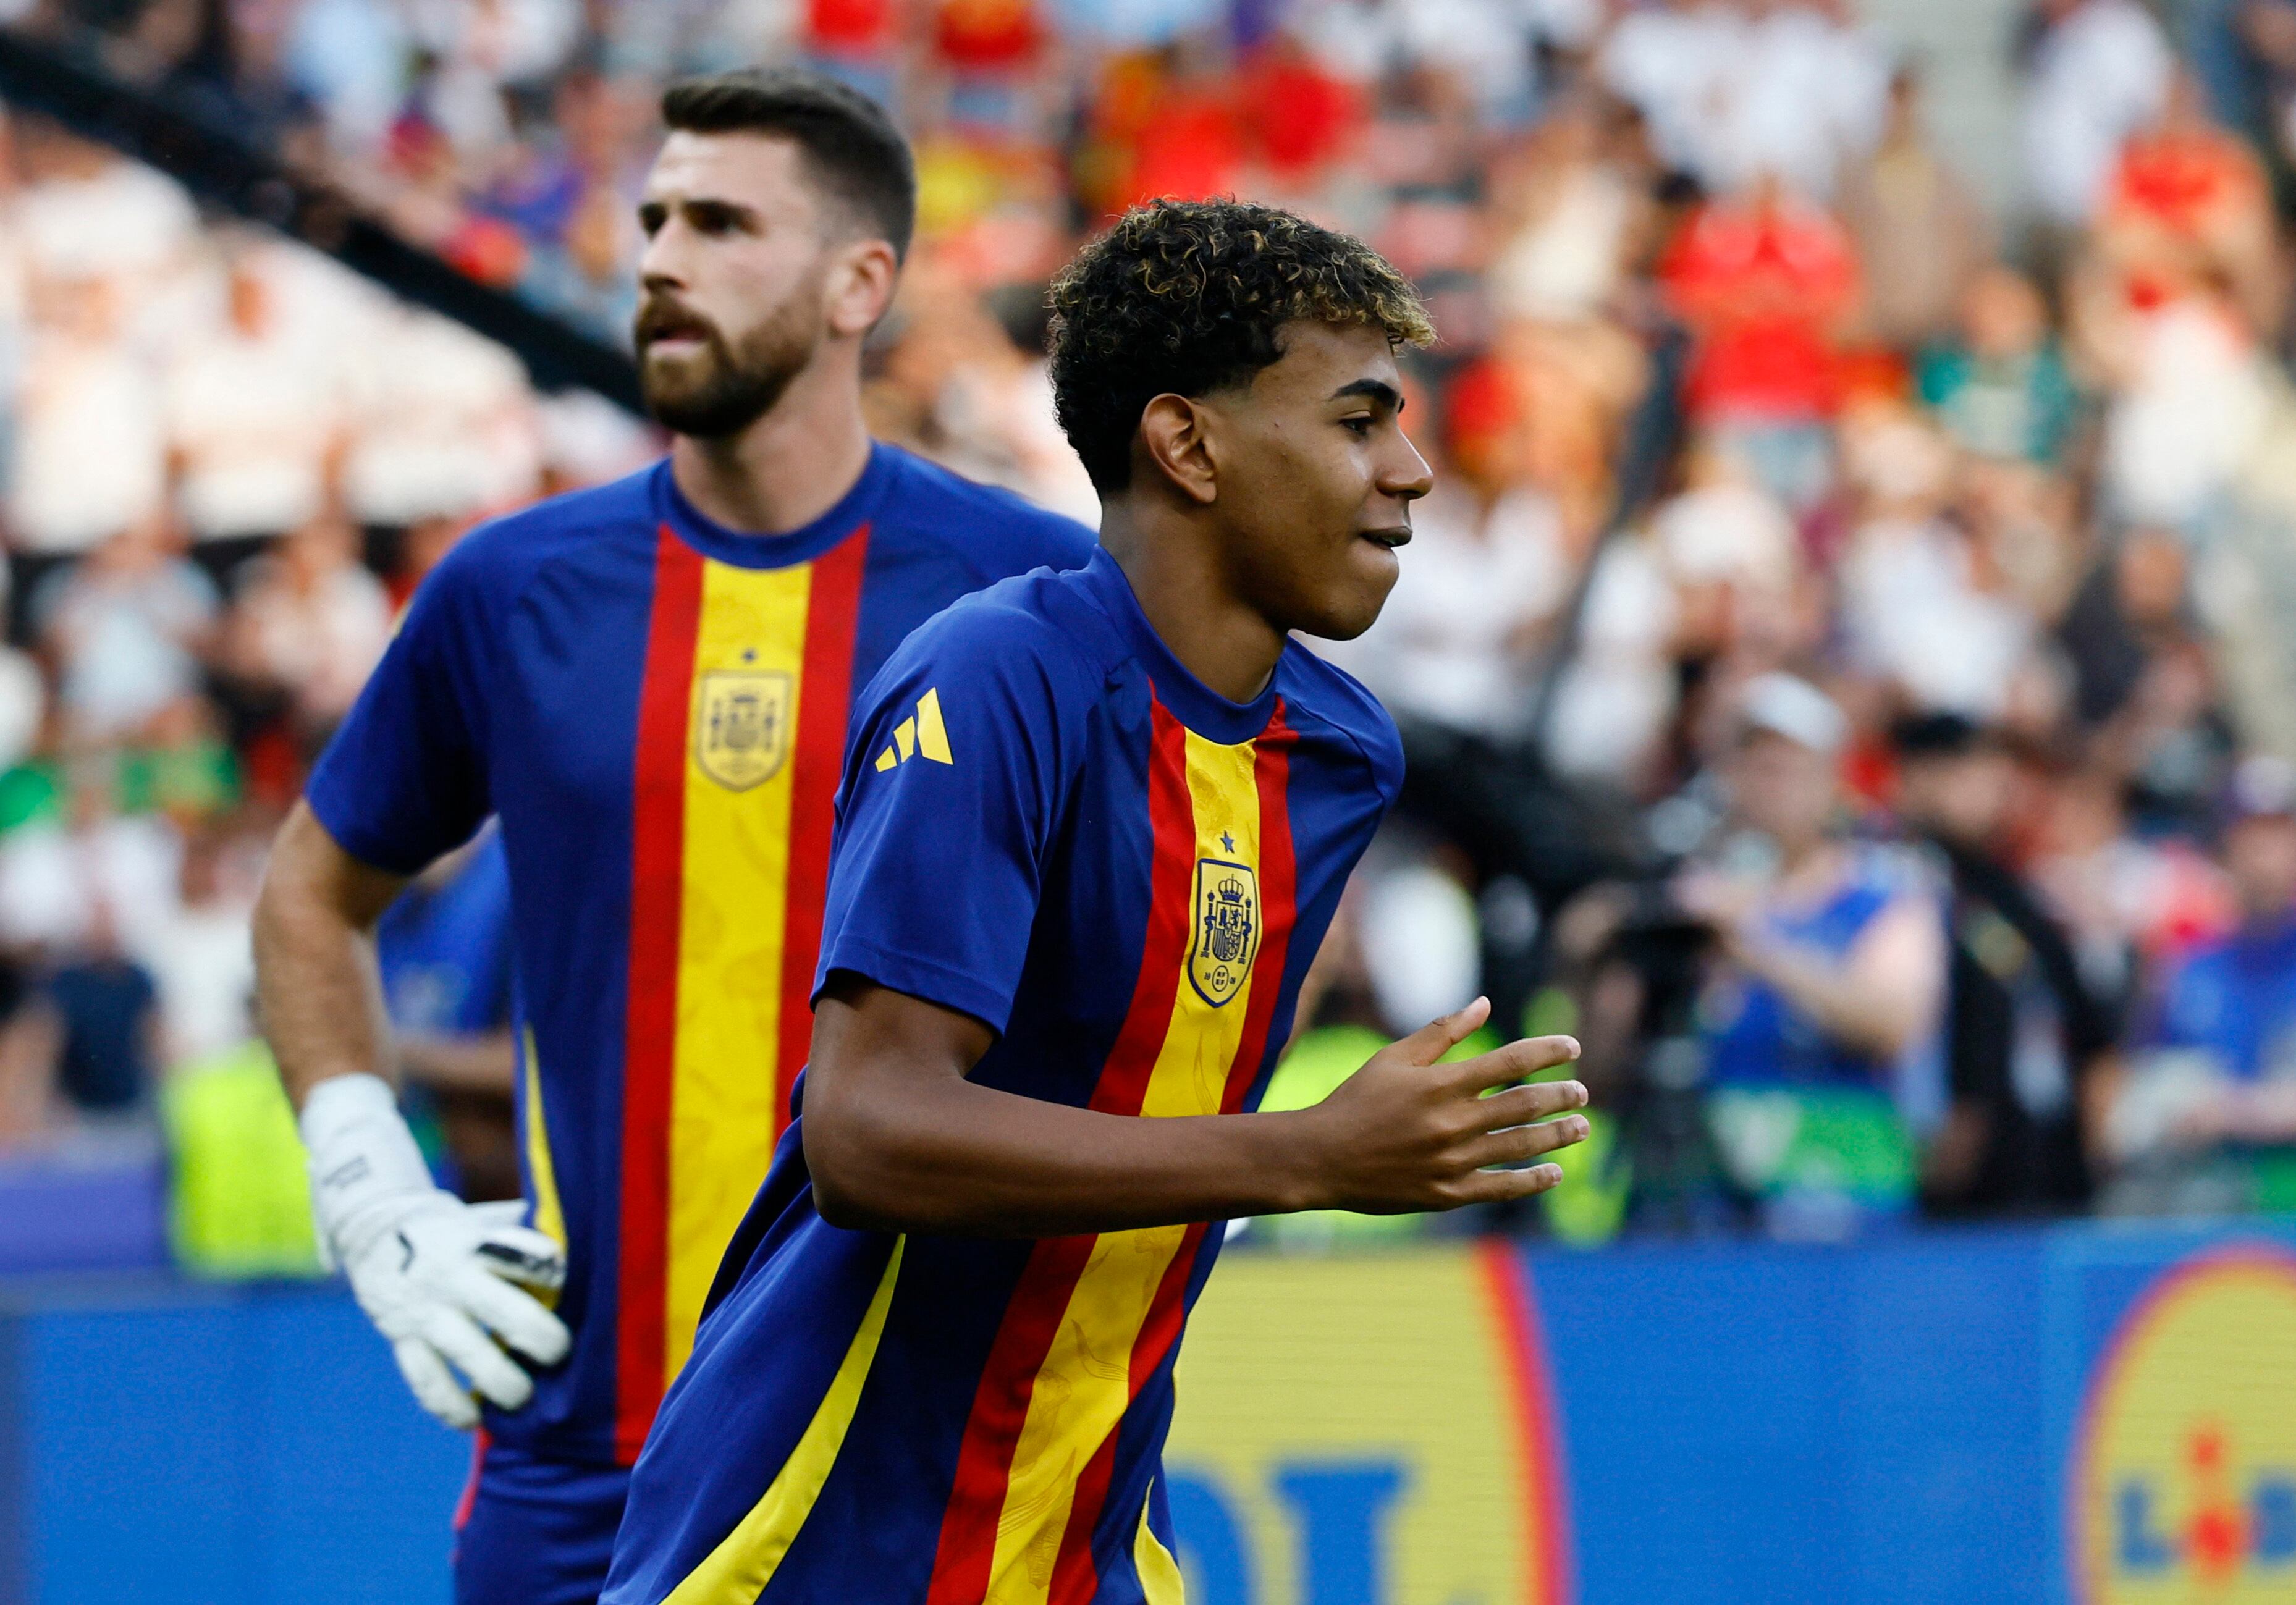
(921, 735)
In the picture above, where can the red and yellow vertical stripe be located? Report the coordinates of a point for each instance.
(1092, 1317)
(740, 733)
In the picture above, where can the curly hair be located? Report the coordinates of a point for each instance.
(1184, 297)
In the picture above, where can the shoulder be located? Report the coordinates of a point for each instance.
(1317, 692)
(993, 530)
(1022, 633)
(495, 559)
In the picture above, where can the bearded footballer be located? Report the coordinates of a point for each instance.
(1092, 828)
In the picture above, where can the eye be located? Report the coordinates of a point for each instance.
(1359, 427)
(651, 218)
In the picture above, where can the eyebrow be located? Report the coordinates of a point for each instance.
(1375, 389)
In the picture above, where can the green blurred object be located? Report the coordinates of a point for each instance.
(30, 792)
(1551, 1013)
(1815, 1142)
(239, 1206)
(1598, 1177)
(2272, 1175)
(199, 778)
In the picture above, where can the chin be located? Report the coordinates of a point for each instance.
(1344, 619)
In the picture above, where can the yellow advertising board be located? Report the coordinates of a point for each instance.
(1374, 1430)
(2184, 1485)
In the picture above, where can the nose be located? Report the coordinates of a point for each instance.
(1404, 473)
(662, 265)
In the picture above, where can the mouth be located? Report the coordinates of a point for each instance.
(1388, 539)
(665, 330)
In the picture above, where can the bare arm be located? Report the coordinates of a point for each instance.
(1879, 998)
(315, 982)
(895, 1138)
(478, 1061)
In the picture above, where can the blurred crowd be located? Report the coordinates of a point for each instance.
(1847, 666)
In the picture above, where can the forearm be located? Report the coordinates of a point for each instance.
(318, 992)
(960, 1159)
(484, 1062)
(1843, 1005)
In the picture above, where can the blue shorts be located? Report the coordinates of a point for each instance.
(535, 1532)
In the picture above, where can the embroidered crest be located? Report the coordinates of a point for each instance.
(1227, 929)
(741, 726)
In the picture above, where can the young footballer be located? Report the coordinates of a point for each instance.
(1092, 828)
(650, 683)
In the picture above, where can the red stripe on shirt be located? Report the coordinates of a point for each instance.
(825, 702)
(1076, 1578)
(650, 1030)
(1032, 1316)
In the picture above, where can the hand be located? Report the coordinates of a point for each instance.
(435, 1274)
(438, 1277)
(1406, 1134)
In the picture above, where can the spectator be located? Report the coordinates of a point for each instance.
(201, 955)
(127, 630)
(2096, 72)
(2024, 1037)
(2001, 388)
(1822, 1014)
(2217, 1075)
(107, 1007)
(90, 457)
(1766, 281)
(310, 621)
(1919, 230)
(254, 422)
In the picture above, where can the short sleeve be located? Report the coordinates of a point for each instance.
(951, 790)
(404, 780)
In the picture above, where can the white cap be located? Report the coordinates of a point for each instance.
(1789, 706)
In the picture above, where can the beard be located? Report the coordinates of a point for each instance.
(725, 386)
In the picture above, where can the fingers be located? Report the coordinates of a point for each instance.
(1498, 1186)
(477, 1356)
(524, 1256)
(433, 1385)
(1521, 1143)
(1503, 1065)
(1437, 1037)
(1521, 1105)
(513, 1316)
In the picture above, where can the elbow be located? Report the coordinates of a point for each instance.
(844, 1156)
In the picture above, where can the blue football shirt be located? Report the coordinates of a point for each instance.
(1047, 823)
(656, 709)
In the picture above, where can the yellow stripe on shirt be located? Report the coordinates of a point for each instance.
(748, 655)
(736, 1572)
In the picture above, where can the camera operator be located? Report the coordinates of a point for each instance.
(1820, 1011)
(2025, 1039)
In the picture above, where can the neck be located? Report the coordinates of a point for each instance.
(790, 465)
(1189, 599)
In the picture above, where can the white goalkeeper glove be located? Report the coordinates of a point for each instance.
(435, 1274)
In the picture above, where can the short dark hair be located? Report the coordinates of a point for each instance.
(855, 152)
(1184, 297)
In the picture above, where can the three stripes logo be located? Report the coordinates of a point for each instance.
(921, 735)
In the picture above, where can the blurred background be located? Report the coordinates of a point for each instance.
(1847, 669)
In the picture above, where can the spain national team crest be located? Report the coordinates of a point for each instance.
(1227, 929)
(741, 726)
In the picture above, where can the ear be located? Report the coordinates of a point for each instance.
(1174, 437)
(860, 286)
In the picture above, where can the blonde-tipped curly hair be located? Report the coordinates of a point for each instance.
(1183, 297)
